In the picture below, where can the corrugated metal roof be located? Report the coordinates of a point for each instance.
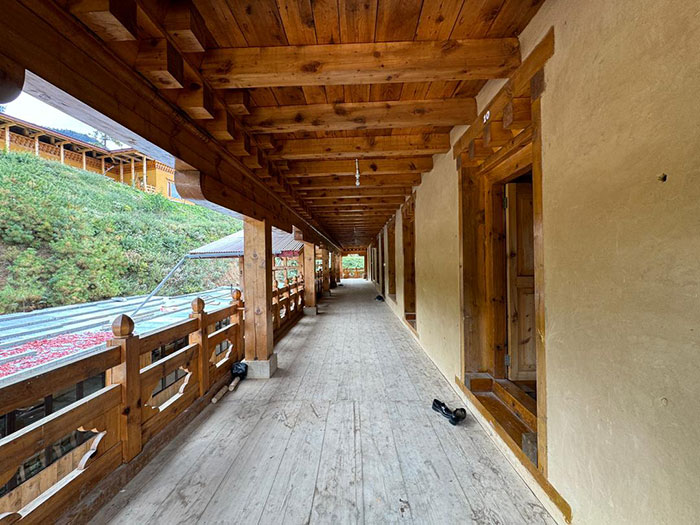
(283, 245)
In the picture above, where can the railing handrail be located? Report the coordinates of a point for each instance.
(130, 409)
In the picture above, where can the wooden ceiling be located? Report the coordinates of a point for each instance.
(300, 89)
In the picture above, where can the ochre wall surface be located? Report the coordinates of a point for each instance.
(437, 268)
(622, 257)
(622, 263)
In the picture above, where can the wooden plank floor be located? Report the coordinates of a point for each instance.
(343, 433)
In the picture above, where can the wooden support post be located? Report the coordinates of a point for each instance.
(36, 146)
(103, 166)
(133, 173)
(11, 80)
(128, 375)
(309, 274)
(121, 171)
(366, 276)
(63, 154)
(238, 318)
(7, 138)
(333, 278)
(84, 160)
(326, 270)
(201, 336)
(257, 261)
(145, 173)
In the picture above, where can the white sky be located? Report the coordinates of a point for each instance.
(35, 111)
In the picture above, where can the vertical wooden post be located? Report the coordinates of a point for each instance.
(326, 270)
(7, 138)
(133, 173)
(145, 173)
(309, 274)
(237, 317)
(127, 374)
(338, 266)
(103, 166)
(365, 268)
(538, 233)
(63, 153)
(84, 160)
(121, 172)
(201, 336)
(257, 261)
(36, 145)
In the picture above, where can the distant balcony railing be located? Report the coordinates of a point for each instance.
(353, 273)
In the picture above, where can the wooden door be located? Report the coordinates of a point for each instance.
(521, 283)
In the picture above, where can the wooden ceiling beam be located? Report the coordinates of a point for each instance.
(477, 150)
(237, 101)
(348, 181)
(355, 221)
(306, 168)
(361, 115)
(367, 63)
(350, 208)
(197, 101)
(186, 27)
(111, 21)
(393, 201)
(496, 135)
(517, 113)
(518, 86)
(356, 192)
(361, 147)
(160, 63)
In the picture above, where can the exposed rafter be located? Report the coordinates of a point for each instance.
(361, 115)
(370, 63)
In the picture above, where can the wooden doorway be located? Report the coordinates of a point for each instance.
(408, 229)
(521, 356)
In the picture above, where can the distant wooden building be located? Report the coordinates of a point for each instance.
(127, 165)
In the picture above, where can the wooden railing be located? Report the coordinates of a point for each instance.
(287, 305)
(352, 273)
(143, 382)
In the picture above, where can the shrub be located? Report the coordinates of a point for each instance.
(69, 236)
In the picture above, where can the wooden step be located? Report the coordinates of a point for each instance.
(504, 416)
(518, 401)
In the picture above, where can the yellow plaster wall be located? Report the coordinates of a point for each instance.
(437, 268)
(622, 257)
(437, 264)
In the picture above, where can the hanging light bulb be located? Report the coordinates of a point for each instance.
(357, 172)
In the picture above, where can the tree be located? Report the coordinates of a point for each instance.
(102, 139)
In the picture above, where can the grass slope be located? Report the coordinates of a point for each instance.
(69, 236)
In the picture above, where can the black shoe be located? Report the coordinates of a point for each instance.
(455, 417)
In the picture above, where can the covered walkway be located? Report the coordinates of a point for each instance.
(343, 433)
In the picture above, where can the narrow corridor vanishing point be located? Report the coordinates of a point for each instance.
(343, 433)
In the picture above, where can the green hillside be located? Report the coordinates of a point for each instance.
(69, 236)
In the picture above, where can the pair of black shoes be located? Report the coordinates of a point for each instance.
(453, 417)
